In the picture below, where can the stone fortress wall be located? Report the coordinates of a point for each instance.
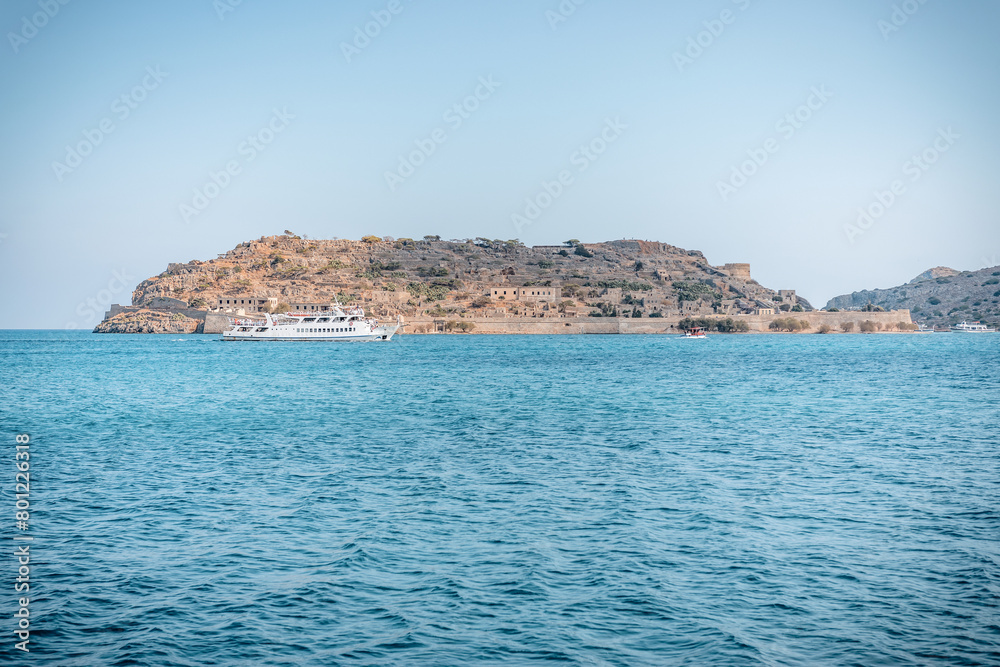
(623, 325)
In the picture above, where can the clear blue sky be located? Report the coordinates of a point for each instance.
(679, 124)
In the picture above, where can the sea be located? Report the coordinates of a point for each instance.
(503, 500)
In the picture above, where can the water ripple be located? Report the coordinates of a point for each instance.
(591, 500)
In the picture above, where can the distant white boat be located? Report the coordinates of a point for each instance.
(337, 324)
(695, 332)
(971, 327)
(923, 328)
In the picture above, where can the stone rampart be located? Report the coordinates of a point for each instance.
(647, 325)
(817, 318)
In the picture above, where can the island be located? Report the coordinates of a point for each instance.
(480, 286)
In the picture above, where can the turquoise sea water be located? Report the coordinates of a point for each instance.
(592, 500)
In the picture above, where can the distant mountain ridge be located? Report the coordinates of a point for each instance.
(937, 297)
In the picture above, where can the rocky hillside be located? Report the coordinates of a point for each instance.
(432, 277)
(149, 321)
(937, 297)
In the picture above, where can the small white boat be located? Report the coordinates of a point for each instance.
(923, 328)
(337, 324)
(971, 327)
(695, 332)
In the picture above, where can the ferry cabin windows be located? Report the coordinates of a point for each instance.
(322, 330)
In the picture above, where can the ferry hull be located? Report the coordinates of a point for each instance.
(380, 333)
(971, 327)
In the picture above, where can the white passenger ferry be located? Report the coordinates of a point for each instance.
(972, 327)
(336, 324)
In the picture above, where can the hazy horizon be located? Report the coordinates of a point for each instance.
(833, 147)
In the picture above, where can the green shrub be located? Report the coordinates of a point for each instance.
(727, 325)
(571, 290)
(432, 272)
(630, 300)
(378, 267)
(788, 324)
(607, 309)
(428, 292)
(625, 285)
(934, 301)
(688, 291)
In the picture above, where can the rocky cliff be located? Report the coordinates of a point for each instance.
(937, 297)
(148, 321)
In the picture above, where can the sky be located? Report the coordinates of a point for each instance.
(834, 146)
